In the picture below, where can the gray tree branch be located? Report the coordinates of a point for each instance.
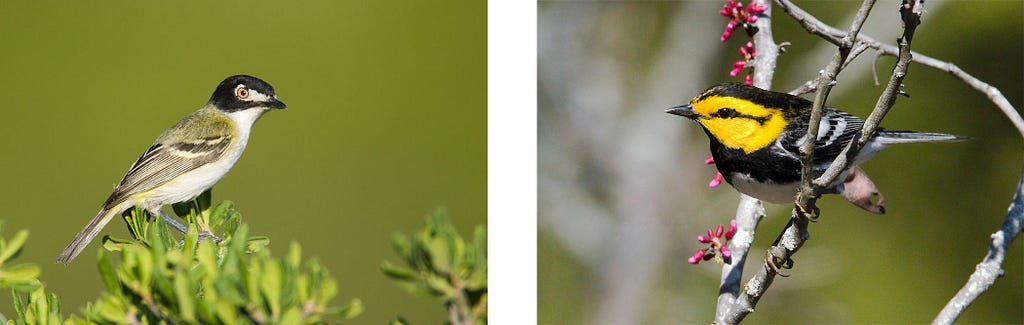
(989, 269)
(986, 272)
(834, 36)
(750, 211)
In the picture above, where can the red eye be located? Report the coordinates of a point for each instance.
(241, 92)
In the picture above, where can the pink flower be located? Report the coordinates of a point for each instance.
(718, 242)
(738, 16)
(699, 255)
(717, 180)
(748, 52)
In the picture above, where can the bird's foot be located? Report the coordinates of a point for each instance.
(173, 223)
(769, 262)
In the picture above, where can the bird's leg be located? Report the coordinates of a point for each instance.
(203, 235)
(174, 222)
(769, 261)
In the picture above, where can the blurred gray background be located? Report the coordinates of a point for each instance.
(623, 187)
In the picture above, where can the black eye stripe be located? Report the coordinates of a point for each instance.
(727, 112)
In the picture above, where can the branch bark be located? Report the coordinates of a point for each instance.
(989, 269)
(986, 272)
(834, 36)
(750, 211)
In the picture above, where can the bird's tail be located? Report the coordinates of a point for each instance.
(86, 235)
(887, 137)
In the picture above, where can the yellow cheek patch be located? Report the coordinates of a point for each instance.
(756, 129)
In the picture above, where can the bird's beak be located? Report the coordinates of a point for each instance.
(683, 110)
(275, 103)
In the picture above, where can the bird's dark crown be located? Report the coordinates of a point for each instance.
(226, 99)
(789, 104)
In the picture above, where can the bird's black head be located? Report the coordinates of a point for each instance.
(242, 92)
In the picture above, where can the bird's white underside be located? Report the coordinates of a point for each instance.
(191, 184)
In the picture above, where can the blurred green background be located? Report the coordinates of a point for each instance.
(623, 187)
(386, 121)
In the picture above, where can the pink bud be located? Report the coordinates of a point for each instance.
(751, 19)
(710, 160)
(726, 253)
(747, 80)
(696, 257)
(711, 234)
(735, 71)
(716, 181)
(719, 231)
(703, 239)
(732, 229)
(755, 8)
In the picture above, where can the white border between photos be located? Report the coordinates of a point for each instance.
(512, 161)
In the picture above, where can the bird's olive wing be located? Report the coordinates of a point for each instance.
(163, 162)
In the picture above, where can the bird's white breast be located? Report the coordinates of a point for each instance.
(767, 191)
(191, 184)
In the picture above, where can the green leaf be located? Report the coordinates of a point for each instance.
(397, 272)
(186, 298)
(271, 287)
(256, 243)
(54, 303)
(115, 244)
(227, 312)
(107, 272)
(191, 240)
(353, 309)
(440, 284)
(12, 248)
(328, 289)
(19, 306)
(480, 243)
(458, 250)
(294, 255)
(203, 201)
(220, 214)
(476, 280)
(440, 254)
(20, 273)
(418, 289)
(398, 321)
(292, 316)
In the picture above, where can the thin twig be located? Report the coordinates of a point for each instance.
(808, 195)
(989, 269)
(986, 272)
(834, 36)
(749, 213)
(812, 85)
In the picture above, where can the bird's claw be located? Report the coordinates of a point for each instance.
(769, 262)
(811, 213)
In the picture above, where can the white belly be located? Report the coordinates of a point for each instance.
(191, 184)
(770, 192)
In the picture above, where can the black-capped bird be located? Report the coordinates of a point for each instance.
(756, 134)
(189, 157)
